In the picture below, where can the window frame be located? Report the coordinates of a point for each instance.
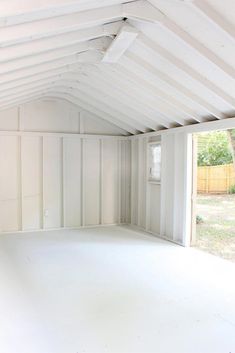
(150, 179)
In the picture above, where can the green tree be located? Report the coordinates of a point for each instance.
(214, 149)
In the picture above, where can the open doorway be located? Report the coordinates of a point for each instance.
(214, 193)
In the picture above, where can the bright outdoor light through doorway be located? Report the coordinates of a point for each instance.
(215, 189)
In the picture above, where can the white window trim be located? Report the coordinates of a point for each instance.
(151, 180)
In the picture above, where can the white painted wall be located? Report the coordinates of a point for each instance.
(61, 179)
(31, 182)
(72, 176)
(55, 116)
(176, 188)
(52, 182)
(163, 209)
(10, 179)
(145, 195)
(51, 176)
(91, 182)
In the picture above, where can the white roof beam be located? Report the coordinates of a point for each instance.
(77, 49)
(128, 96)
(58, 41)
(60, 24)
(213, 16)
(19, 99)
(113, 83)
(125, 102)
(112, 101)
(28, 78)
(14, 12)
(157, 113)
(143, 10)
(199, 47)
(152, 96)
(23, 100)
(11, 91)
(153, 91)
(38, 88)
(86, 95)
(93, 107)
(54, 55)
(187, 69)
(177, 85)
(56, 77)
(66, 62)
(112, 104)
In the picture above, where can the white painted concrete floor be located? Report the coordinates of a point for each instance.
(112, 289)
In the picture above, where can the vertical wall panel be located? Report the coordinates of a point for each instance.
(178, 187)
(91, 182)
(52, 182)
(146, 195)
(31, 158)
(183, 190)
(155, 211)
(142, 187)
(134, 181)
(176, 213)
(72, 182)
(110, 182)
(127, 176)
(168, 170)
(42, 181)
(124, 173)
(153, 194)
(10, 208)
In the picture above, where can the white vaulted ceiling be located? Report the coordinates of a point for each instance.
(141, 65)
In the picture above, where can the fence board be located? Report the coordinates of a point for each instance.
(215, 179)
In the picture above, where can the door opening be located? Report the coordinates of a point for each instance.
(213, 196)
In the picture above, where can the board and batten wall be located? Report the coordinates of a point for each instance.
(164, 208)
(53, 175)
(60, 179)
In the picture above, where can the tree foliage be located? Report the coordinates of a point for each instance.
(214, 149)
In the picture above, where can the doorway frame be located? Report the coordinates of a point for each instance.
(206, 127)
(194, 191)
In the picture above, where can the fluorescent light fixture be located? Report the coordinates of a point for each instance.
(120, 44)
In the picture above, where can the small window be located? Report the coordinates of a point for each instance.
(155, 162)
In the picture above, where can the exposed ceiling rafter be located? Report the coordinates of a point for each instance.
(214, 17)
(101, 56)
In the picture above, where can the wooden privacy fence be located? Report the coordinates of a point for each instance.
(215, 179)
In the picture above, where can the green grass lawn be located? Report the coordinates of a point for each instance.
(216, 233)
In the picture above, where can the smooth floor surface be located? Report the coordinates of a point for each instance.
(111, 289)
